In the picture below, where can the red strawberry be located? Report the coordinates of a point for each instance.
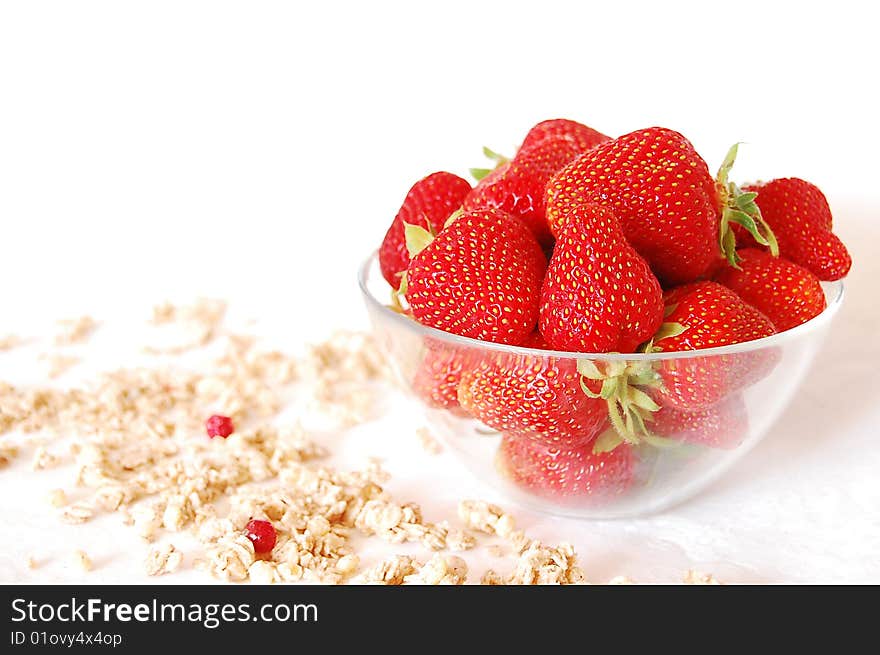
(517, 186)
(566, 472)
(535, 340)
(670, 208)
(712, 316)
(437, 378)
(724, 425)
(599, 295)
(708, 315)
(801, 219)
(533, 397)
(428, 204)
(479, 278)
(584, 138)
(786, 293)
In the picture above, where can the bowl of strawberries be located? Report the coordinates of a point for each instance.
(599, 326)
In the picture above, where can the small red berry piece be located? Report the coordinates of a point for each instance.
(219, 426)
(262, 534)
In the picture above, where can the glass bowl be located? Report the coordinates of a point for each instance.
(548, 443)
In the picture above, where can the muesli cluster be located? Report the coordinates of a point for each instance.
(252, 490)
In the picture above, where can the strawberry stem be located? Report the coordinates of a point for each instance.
(739, 207)
(629, 406)
(668, 330)
(607, 441)
(479, 173)
(417, 238)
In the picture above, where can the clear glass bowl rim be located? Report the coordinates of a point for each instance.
(835, 293)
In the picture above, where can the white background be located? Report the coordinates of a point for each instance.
(257, 151)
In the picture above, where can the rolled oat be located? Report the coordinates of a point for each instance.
(9, 341)
(696, 578)
(162, 560)
(428, 442)
(75, 330)
(77, 513)
(58, 498)
(82, 560)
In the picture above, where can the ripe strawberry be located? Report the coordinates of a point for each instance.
(599, 295)
(723, 425)
(428, 204)
(801, 219)
(660, 189)
(712, 316)
(517, 186)
(706, 315)
(536, 340)
(566, 472)
(479, 278)
(786, 293)
(584, 138)
(533, 397)
(437, 378)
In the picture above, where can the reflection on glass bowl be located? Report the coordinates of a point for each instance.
(535, 423)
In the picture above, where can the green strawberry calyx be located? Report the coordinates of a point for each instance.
(479, 173)
(629, 406)
(738, 206)
(454, 216)
(417, 238)
(665, 331)
(398, 296)
(626, 387)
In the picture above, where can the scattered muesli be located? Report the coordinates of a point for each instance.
(696, 578)
(390, 571)
(43, 459)
(58, 498)
(77, 513)
(82, 560)
(75, 330)
(138, 443)
(58, 364)
(8, 452)
(162, 560)
(9, 341)
(445, 570)
(188, 326)
(428, 442)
